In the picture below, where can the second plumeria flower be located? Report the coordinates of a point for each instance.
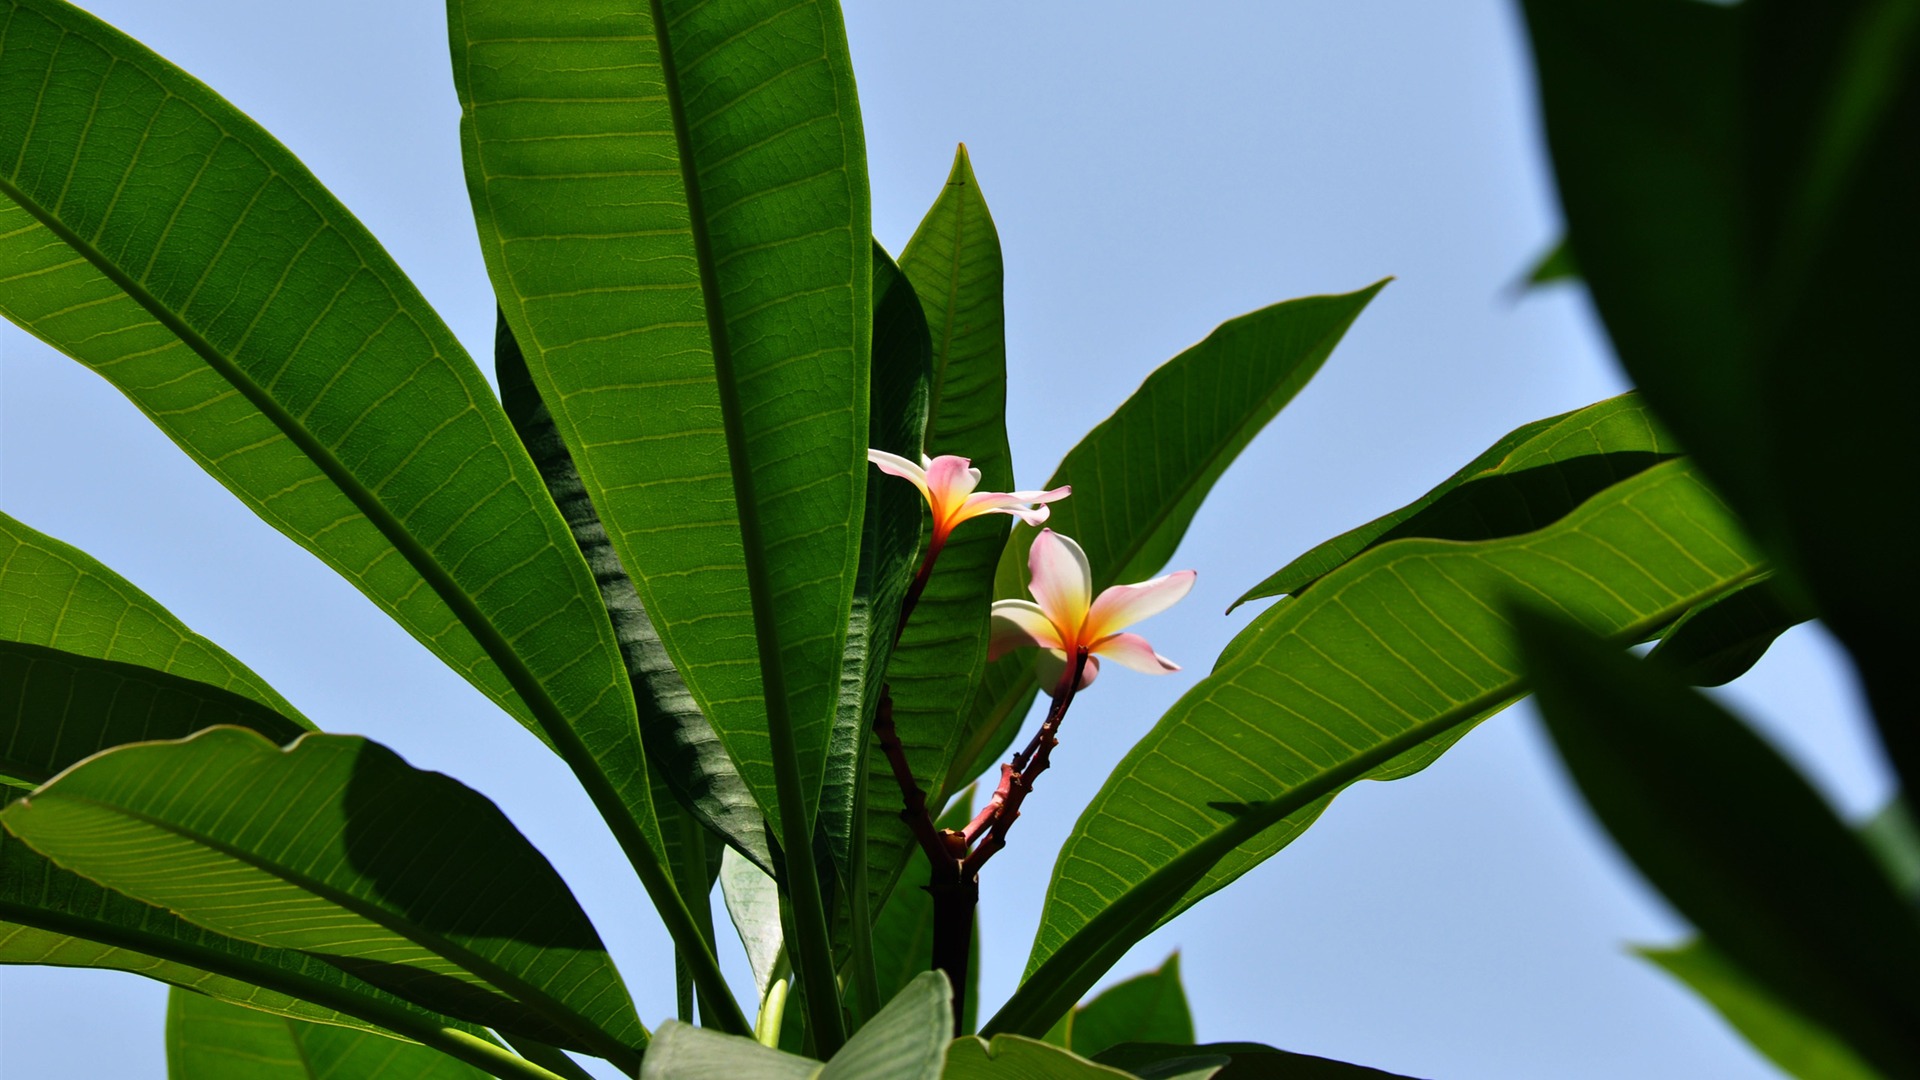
(1067, 617)
(948, 481)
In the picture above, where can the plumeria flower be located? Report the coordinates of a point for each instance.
(1068, 618)
(948, 482)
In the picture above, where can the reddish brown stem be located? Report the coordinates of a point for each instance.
(1017, 779)
(919, 585)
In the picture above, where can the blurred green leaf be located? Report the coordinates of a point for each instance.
(1718, 642)
(1400, 647)
(212, 1040)
(339, 849)
(1738, 184)
(1798, 1046)
(906, 1040)
(1556, 265)
(674, 216)
(1238, 1061)
(1140, 476)
(1735, 839)
(1011, 1057)
(258, 324)
(1894, 840)
(1148, 1008)
(1531, 478)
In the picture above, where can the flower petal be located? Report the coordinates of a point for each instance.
(1123, 605)
(953, 477)
(1062, 582)
(1011, 502)
(1018, 624)
(895, 465)
(1132, 651)
(1053, 664)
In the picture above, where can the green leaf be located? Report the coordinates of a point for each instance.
(753, 902)
(1011, 1057)
(212, 1040)
(1140, 476)
(906, 1040)
(1734, 178)
(1718, 642)
(954, 263)
(672, 205)
(50, 916)
(1401, 647)
(61, 597)
(1236, 1061)
(1894, 839)
(1798, 1046)
(1555, 265)
(254, 320)
(56, 708)
(1735, 839)
(902, 370)
(679, 741)
(1150, 1008)
(1531, 478)
(404, 878)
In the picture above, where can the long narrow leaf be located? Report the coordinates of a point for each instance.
(1140, 476)
(258, 324)
(1735, 838)
(1398, 648)
(213, 1040)
(403, 878)
(1798, 1046)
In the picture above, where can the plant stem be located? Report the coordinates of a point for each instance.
(1016, 781)
(773, 1011)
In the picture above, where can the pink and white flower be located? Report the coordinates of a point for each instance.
(1064, 617)
(948, 481)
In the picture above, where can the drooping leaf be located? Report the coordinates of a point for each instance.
(1140, 476)
(1736, 840)
(954, 264)
(60, 597)
(1531, 478)
(1400, 647)
(1236, 1061)
(906, 1040)
(1737, 182)
(338, 849)
(1718, 642)
(1798, 1046)
(213, 1040)
(902, 371)
(753, 902)
(1148, 1008)
(1012, 1057)
(672, 205)
(56, 708)
(681, 745)
(54, 917)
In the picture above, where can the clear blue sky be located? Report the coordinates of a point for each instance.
(1151, 176)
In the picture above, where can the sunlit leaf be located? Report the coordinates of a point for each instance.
(1011, 1057)
(337, 848)
(1148, 1008)
(906, 1040)
(212, 1040)
(1402, 646)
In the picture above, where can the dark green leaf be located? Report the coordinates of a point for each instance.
(258, 324)
(1738, 184)
(680, 743)
(1556, 265)
(212, 1040)
(61, 597)
(1737, 840)
(1241, 1061)
(1798, 1046)
(56, 708)
(1150, 1008)
(1718, 642)
(1528, 480)
(1398, 648)
(1140, 476)
(1895, 840)
(403, 878)
(891, 536)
